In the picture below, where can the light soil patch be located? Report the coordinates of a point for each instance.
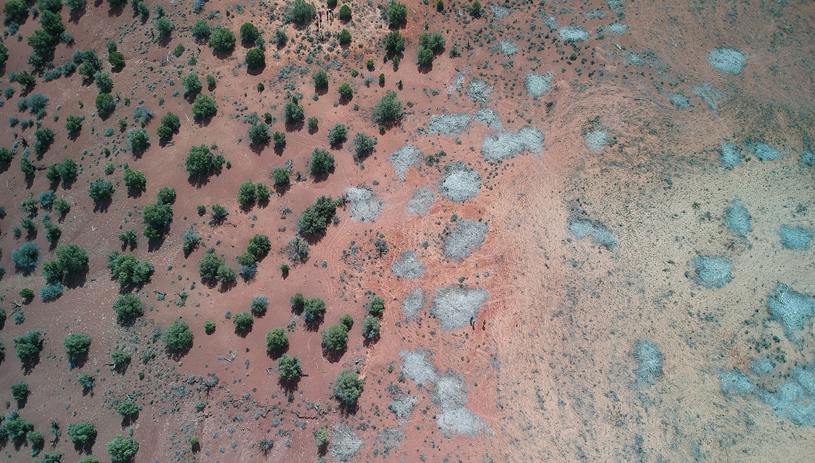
(581, 228)
(365, 206)
(404, 158)
(408, 266)
(344, 443)
(538, 84)
(454, 306)
(479, 91)
(416, 366)
(414, 304)
(727, 60)
(421, 202)
(574, 33)
(459, 183)
(597, 139)
(466, 237)
(712, 272)
(449, 124)
(504, 145)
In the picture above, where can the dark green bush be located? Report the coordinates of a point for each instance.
(300, 12)
(76, 345)
(320, 79)
(292, 113)
(433, 42)
(337, 134)
(204, 107)
(321, 162)
(28, 346)
(134, 180)
(178, 336)
(243, 321)
(201, 162)
(259, 246)
(348, 388)
(157, 218)
(116, 60)
(100, 189)
(105, 104)
(122, 449)
(192, 85)
(335, 337)
(281, 176)
(255, 59)
(279, 139)
(276, 339)
(425, 57)
(345, 91)
(376, 305)
(315, 217)
(345, 13)
(370, 327)
(127, 270)
(26, 257)
(82, 433)
(394, 43)
(364, 146)
(246, 194)
(222, 40)
(128, 307)
(249, 33)
(208, 266)
(397, 14)
(313, 309)
(259, 134)
(163, 26)
(389, 108)
(166, 195)
(20, 391)
(289, 368)
(345, 37)
(201, 30)
(139, 140)
(73, 124)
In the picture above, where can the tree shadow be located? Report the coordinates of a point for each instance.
(76, 280)
(282, 189)
(30, 363)
(226, 286)
(222, 54)
(295, 126)
(130, 419)
(322, 177)
(154, 244)
(75, 15)
(244, 332)
(368, 342)
(258, 148)
(256, 72)
(425, 68)
(277, 353)
(135, 192)
(334, 356)
(86, 447)
(177, 354)
(102, 205)
(22, 403)
(289, 385)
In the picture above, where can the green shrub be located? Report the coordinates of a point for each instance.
(28, 346)
(298, 302)
(16, 11)
(243, 321)
(20, 391)
(433, 42)
(259, 134)
(321, 436)
(45, 137)
(190, 240)
(164, 133)
(166, 195)
(76, 345)
(210, 81)
(279, 139)
(335, 338)
(218, 213)
(315, 217)
(376, 305)
(36, 440)
(364, 146)
(163, 26)
(370, 327)
(128, 238)
(425, 57)
(192, 85)
(135, 180)
(82, 433)
(320, 79)
(119, 358)
(389, 108)
(105, 104)
(292, 113)
(122, 449)
(157, 218)
(227, 275)
(103, 82)
(171, 121)
(249, 33)
(259, 305)
(321, 162)
(313, 309)
(222, 40)
(201, 162)
(337, 134)
(62, 207)
(139, 140)
(86, 380)
(370, 66)
(348, 387)
(26, 257)
(204, 107)
(179, 49)
(289, 368)
(255, 59)
(345, 91)
(394, 43)
(281, 176)
(246, 194)
(6, 155)
(128, 307)
(116, 60)
(208, 266)
(345, 37)
(280, 37)
(276, 339)
(178, 336)
(73, 124)
(127, 270)
(259, 246)
(348, 321)
(475, 9)
(397, 14)
(100, 190)
(26, 294)
(345, 13)
(209, 327)
(300, 12)
(27, 167)
(312, 123)
(201, 30)
(15, 427)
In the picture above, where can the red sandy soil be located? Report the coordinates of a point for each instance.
(562, 316)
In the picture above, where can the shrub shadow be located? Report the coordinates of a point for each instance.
(334, 356)
(103, 205)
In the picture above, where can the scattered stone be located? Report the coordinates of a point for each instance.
(365, 206)
(712, 272)
(727, 60)
(598, 139)
(421, 202)
(454, 306)
(582, 228)
(538, 84)
(479, 91)
(504, 145)
(731, 156)
(408, 266)
(467, 236)
(459, 183)
(797, 238)
(738, 219)
(574, 34)
(404, 158)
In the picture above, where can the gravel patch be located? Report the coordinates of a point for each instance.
(449, 392)
(678, 100)
(617, 28)
(808, 158)
(582, 228)
(403, 406)
(344, 443)
(598, 139)
(413, 304)
(389, 439)
(508, 48)
(454, 306)
(712, 272)
(458, 82)
(735, 382)
(460, 421)
(467, 236)
(489, 118)
(504, 145)
(479, 91)
(793, 402)
(797, 238)
(499, 12)
(765, 152)
(574, 34)
(459, 183)
(408, 266)
(596, 14)
(727, 60)
(649, 362)
(538, 84)
(365, 206)
(449, 124)
(791, 309)
(738, 219)
(404, 158)
(762, 365)
(709, 95)
(731, 156)
(551, 23)
(421, 202)
(635, 59)
(416, 366)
